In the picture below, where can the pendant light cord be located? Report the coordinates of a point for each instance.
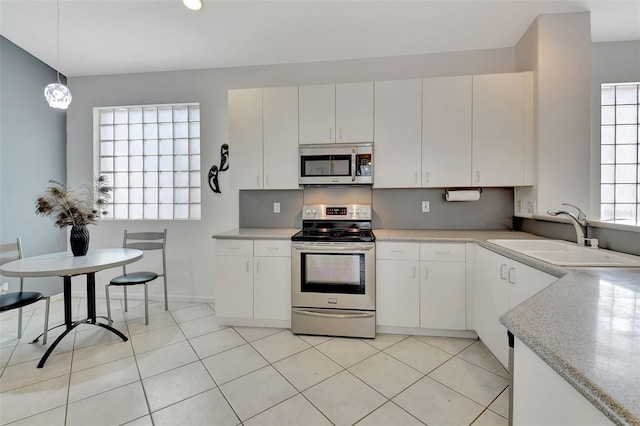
(58, 40)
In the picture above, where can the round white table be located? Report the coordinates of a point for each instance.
(66, 265)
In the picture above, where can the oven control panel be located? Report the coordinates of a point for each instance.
(336, 212)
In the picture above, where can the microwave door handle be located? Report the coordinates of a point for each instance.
(353, 165)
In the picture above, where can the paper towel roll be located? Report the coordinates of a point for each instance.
(463, 195)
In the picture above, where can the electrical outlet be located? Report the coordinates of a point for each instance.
(531, 206)
(5, 288)
(276, 207)
(425, 207)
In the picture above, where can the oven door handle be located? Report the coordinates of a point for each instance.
(330, 249)
(325, 315)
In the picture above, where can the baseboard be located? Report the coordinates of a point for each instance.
(415, 331)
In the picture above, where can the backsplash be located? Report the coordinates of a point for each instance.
(392, 208)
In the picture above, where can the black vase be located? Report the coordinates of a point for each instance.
(79, 240)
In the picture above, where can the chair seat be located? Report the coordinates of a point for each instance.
(134, 278)
(16, 300)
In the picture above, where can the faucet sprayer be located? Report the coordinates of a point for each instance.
(579, 222)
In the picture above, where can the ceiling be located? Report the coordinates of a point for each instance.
(127, 36)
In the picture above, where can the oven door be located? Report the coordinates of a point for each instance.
(333, 275)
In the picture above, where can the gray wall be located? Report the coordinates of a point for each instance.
(190, 247)
(392, 208)
(32, 151)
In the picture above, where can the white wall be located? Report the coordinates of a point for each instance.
(614, 62)
(191, 248)
(557, 48)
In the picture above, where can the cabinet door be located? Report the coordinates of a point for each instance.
(354, 112)
(397, 293)
(245, 138)
(443, 295)
(498, 129)
(525, 282)
(446, 131)
(234, 286)
(397, 123)
(272, 288)
(491, 301)
(280, 137)
(317, 114)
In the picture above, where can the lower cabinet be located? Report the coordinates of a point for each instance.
(253, 279)
(421, 285)
(501, 284)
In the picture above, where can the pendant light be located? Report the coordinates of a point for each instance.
(57, 94)
(193, 4)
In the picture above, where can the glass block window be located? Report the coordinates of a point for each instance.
(620, 153)
(151, 155)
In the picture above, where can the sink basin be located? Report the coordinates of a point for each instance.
(563, 253)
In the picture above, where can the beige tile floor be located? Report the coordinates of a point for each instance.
(186, 369)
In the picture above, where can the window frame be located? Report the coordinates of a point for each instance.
(189, 185)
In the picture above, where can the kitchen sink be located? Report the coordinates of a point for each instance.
(564, 253)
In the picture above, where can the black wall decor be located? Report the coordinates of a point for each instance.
(214, 170)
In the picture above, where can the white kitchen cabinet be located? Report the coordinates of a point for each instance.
(501, 284)
(245, 138)
(272, 280)
(502, 129)
(234, 279)
(542, 397)
(263, 138)
(446, 131)
(333, 113)
(397, 284)
(442, 286)
(280, 137)
(397, 126)
(253, 281)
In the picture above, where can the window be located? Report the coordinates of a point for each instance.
(620, 153)
(151, 156)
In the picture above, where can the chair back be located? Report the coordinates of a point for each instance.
(10, 252)
(147, 241)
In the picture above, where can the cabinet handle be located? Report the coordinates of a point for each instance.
(414, 271)
(477, 175)
(258, 180)
(397, 251)
(512, 280)
(426, 177)
(503, 271)
(258, 267)
(426, 272)
(267, 180)
(272, 249)
(443, 252)
(248, 265)
(415, 177)
(340, 133)
(330, 134)
(234, 247)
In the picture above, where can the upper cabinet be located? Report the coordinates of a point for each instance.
(341, 113)
(446, 131)
(398, 120)
(502, 129)
(263, 138)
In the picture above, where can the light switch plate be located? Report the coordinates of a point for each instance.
(425, 207)
(531, 206)
(276, 207)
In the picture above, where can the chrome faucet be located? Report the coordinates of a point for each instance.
(579, 222)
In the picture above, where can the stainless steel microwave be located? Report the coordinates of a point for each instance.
(336, 164)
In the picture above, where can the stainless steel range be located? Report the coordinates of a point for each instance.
(333, 272)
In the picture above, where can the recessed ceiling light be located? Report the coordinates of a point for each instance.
(193, 4)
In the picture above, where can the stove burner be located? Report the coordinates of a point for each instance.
(335, 232)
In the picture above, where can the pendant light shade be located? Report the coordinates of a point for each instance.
(193, 4)
(57, 94)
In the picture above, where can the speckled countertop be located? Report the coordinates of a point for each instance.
(586, 326)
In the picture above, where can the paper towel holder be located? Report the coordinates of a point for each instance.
(467, 194)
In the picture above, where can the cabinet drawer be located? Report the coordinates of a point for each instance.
(272, 248)
(234, 247)
(442, 252)
(398, 251)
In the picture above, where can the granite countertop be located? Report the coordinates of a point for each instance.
(584, 326)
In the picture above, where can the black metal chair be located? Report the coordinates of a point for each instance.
(141, 241)
(18, 300)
